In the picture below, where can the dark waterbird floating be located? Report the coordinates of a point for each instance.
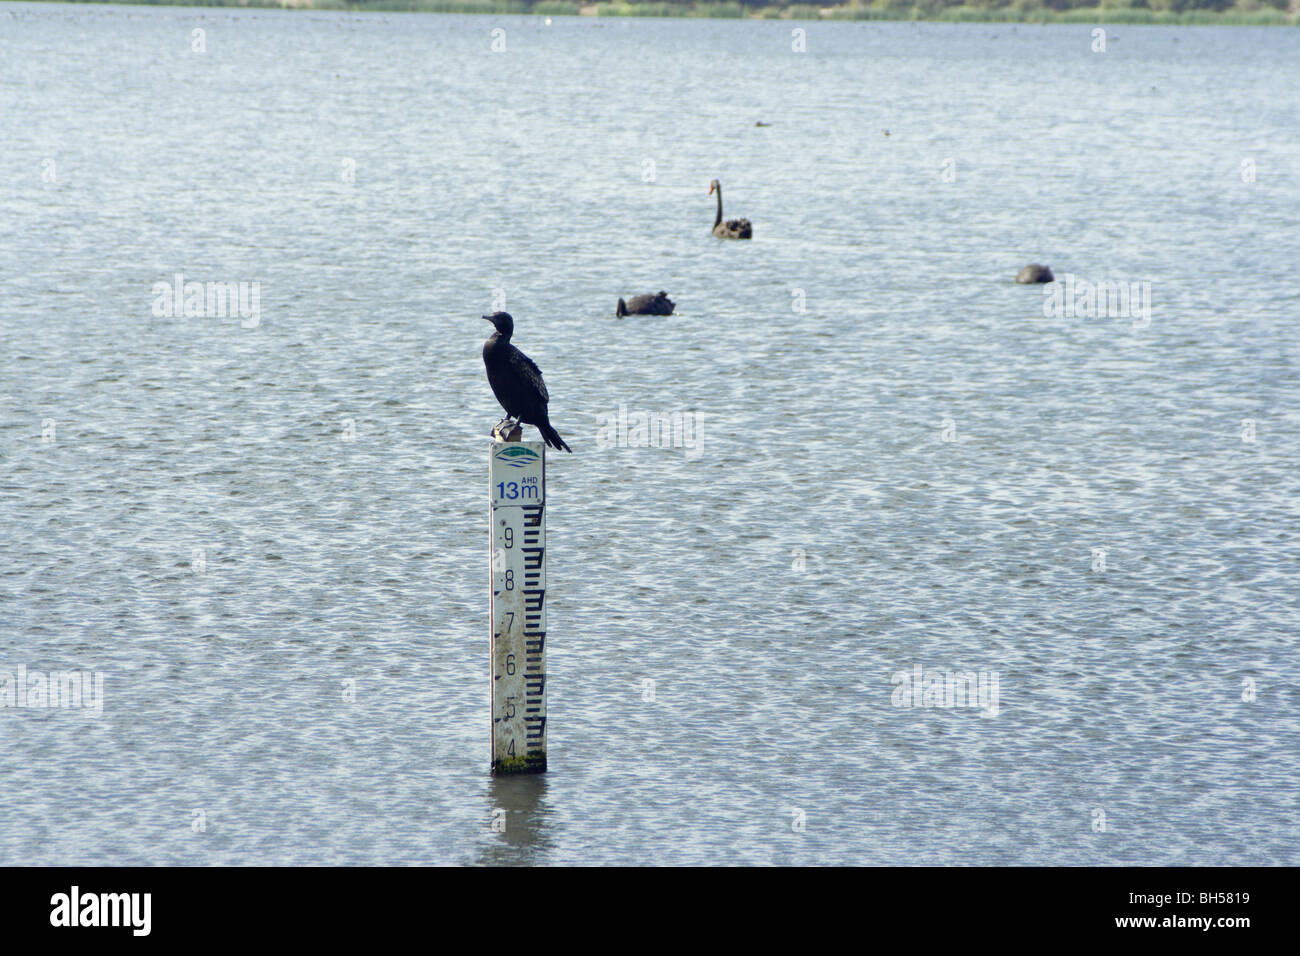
(517, 381)
(1035, 273)
(658, 304)
(732, 228)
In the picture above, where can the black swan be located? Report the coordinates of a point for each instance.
(1035, 273)
(658, 304)
(517, 381)
(732, 228)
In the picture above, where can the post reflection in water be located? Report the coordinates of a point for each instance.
(517, 803)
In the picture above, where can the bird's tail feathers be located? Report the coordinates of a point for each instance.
(552, 437)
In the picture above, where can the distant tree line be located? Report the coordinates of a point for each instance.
(934, 6)
(1257, 12)
(1131, 11)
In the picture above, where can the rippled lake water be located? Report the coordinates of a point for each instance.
(902, 460)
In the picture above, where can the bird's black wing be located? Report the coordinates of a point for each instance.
(526, 370)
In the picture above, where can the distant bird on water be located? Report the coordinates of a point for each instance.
(732, 228)
(1033, 273)
(653, 304)
(517, 381)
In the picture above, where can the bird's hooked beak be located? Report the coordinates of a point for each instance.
(488, 317)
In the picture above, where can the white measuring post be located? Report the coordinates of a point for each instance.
(517, 473)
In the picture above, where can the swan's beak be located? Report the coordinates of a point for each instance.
(710, 190)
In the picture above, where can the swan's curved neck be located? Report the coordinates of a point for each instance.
(718, 219)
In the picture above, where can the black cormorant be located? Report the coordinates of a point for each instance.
(517, 381)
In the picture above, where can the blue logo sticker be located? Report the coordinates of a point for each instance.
(517, 456)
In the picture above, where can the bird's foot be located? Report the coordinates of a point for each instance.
(508, 430)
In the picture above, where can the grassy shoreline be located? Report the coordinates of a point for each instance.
(1248, 13)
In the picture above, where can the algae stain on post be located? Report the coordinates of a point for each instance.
(517, 475)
